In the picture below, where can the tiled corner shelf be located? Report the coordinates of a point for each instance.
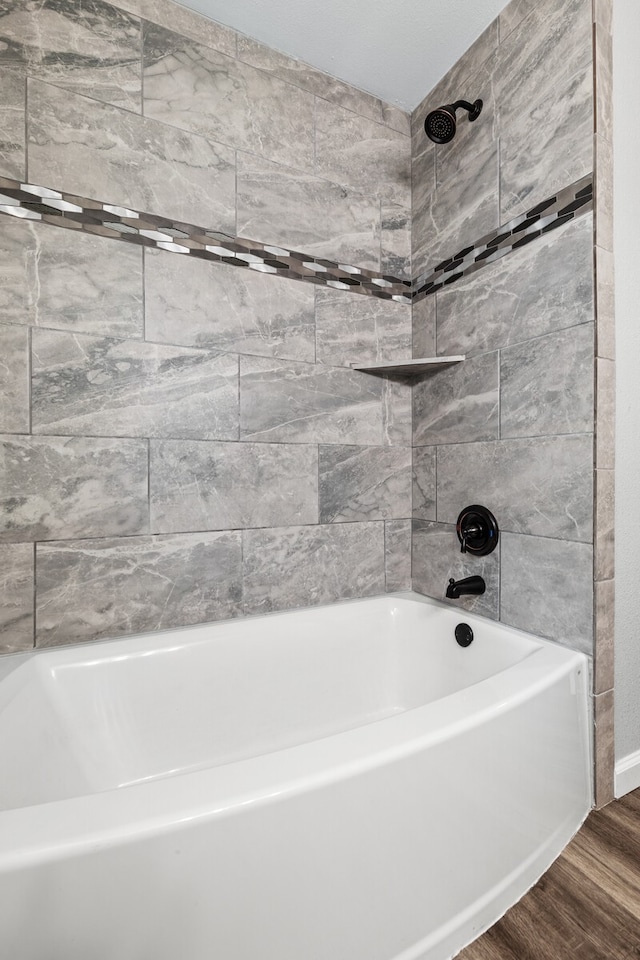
(409, 368)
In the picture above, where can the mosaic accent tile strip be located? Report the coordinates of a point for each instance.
(77, 213)
(567, 204)
(32, 202)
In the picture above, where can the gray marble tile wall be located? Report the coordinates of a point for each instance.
(533, 69)
(513, 426)
(147, 103)
(182, 441)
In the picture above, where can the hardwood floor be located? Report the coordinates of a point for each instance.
(586, 906)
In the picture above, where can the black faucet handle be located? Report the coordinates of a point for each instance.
(470, 532)
(477, 530)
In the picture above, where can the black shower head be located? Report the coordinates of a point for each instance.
(440, 125)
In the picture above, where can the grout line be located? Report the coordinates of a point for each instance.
(315, 326)
(380, 245)
(213, 352)
(218, 531)
(499, 173)
(499, 361)
(58, 84)
(142, 38)
(30, 379)
(595, 85)
(318, 479)
(435, 325)
(384, 555)
(235, 188)
(209, 440)
(149, 486)
(239, 395)
(505, 440)
(35, 604)
(143, 277)
(249, 439)
(26, 128)
(315, 135)
(242, 573)
(121, 541)
(435, 465)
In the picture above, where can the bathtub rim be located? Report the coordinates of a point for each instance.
(9, 662)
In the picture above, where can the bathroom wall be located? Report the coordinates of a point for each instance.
(513, 426)
(185, 440)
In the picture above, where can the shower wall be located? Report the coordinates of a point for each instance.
(184, 440)
(513, 426)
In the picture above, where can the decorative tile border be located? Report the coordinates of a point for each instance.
(544, 217)
(31, 202)
(107, 220)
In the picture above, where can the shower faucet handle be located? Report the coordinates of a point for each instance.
(477, 530)
(470, 532)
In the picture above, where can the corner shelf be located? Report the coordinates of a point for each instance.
(408, 368)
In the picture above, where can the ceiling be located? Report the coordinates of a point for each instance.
(395, 49)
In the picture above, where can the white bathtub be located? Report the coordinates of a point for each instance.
(338, 783)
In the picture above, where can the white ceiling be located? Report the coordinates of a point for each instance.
(395, 49)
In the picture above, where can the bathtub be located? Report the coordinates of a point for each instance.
(339, 783)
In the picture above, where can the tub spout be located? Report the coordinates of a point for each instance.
(460, 588)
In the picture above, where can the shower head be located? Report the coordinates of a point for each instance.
(440, 125)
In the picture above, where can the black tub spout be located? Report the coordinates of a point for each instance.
(472, 586)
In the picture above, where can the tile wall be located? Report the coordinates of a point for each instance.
(182, 440)
(513, 427)
(532, 68)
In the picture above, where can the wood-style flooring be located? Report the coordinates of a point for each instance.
(586, 906)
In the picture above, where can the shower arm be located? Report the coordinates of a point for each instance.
(472, 108)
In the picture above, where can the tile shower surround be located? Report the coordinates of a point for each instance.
(182, 369)
(86, 61)
(78, 395)
(359, 493)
